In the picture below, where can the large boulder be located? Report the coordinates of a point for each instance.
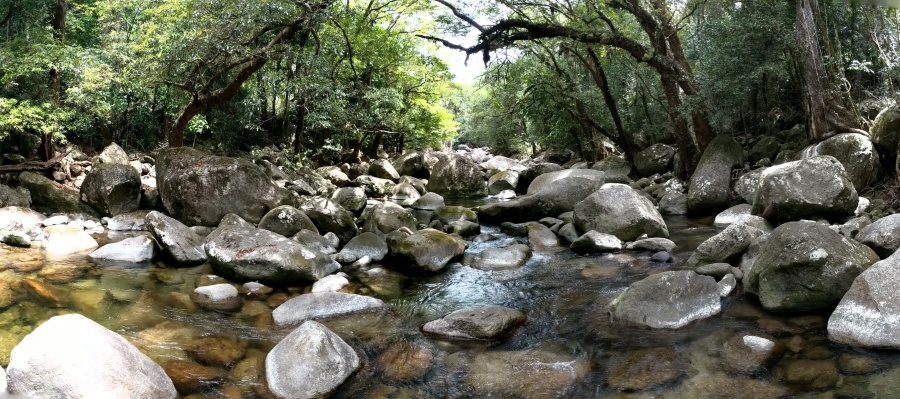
(287, 221)
(621, 211)
(310, 363)
(412, 164)
(503, 180)
(669, 300)
(18, 196)
(71, 356)
(386, 217)
(805, 267)
(555, 198)
(883, 236)
(747, 184)
(375, 186)
(112, 189)
(181, 243)
(323, 305)
(710, 188)
(869, 313)
(856, 153)
(383, 169)
(330, 217)
(725, 247)
(199, 189)
(532, 171)
(49, 197)
(113, 154)
(654, 159)
(541, 182)
(352, 199)
(457, 176)
(246, 253)
(813, 186)
(885, 130)
(428, 250)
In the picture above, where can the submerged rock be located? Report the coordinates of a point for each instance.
(310, 363)
(323, 305)
(749, 354)
(621, 211)
(135, 250)
(73, 357)
(668, 300)
(525, 374)
(645, 368)
(489, 322)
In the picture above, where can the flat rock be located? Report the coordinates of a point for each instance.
(668, 300)
(483, 323)
(509, 257)
(323, 305)
(134, 250)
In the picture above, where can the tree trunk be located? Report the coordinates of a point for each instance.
(625, 141)
(685, 145)
(301, 125)
(825, 116)
(376, 142)
(59, 34)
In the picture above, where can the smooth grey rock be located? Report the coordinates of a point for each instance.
(71, 356)
(725, 247)
(386, 217)
(669, 300)
(331, 283)
(135, 250)
(131, 221)
(735, 214)
(112, 189)
(673, 203)
(500, 163)
(883, 236)
(541, 238)
(65, 240)
(287, 221)
(856, 153)
(654, 159)
(869, 313)
(545, 180)
(405, 192)
(113, 154)
(726, 285)
(714, 270)
(502, 181)
(255, 254)
(218, 297)
(805, 267)
(428, 250)
(330, 217)
(515, 229)
(323, 305)
(382, 168)
(596, 242)
(654, 244)
(710, 188)
(310, 363)
(749, 354)
(457, 176)
(352, 199)
(568, 232)
(176, 239)
(747, 185)
(621, 211)
(813, 186)
(661, 257)
(509, 257)
(429, 202)
(365, 244)
(482, 323)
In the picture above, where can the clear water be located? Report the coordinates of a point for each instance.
(567, 349)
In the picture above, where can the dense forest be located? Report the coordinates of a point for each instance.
(322, 78)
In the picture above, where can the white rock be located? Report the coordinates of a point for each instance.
(135, 249)
(726, 285)
(55, 220)
(332, 283)
(322, 305)
(67, 240)
(311, 362)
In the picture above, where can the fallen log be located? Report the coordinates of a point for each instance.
(33, 166)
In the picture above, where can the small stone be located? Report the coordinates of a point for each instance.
(476, 323)
(811, 374)
(716, 270)
(218, 297)
(726, 285)
(254, 290)
(748, 354)
(661, 257)
(596, 242)
(332, 283)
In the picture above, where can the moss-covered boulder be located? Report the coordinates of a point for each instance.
(813, 186)
(885, 130)
(457, 176)
(710, 188)
(428, 250)
(621, 211)
(49, 197)
(858, 156)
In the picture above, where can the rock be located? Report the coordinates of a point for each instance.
(852, 227)
(457, 176)
(502, 181)
(287, 221)
(18, 196)
(710, 188)
(405, 361)
(500, 163)
(311, 362)
(374, 186)
(614, 165)
(645, 368)
(766, 148)
(216, 351)
(621, 211)
(112, 189)
(857, 155)
(429, 202)
(20, 226)
(352, 199)
(673, 203)
(134, 250)
(868, 315)
(661, 257)
(113, 154)
(670, 300)
(464, 228)
(568, 232)
(329, 217)
(813, 186)
(323, 305)
(191, 377)
(71, 356)
(532, 171)
(429, 250)
(541, 238)
(261, 255)
(810, 374)
(525, 374)
(654, 159)
(856, 364)
(218, 297)
(735, 214)
(355, 170)
(714, 270)
(449, 214)
(725, 247)
(49, 197)
(334, 175)
(885, 131)
(655, 244)
(483, 323)
(67, 240)
(595, 242)
(727, 285)
(199, 189)
(545, 180)
(176, 239)
(515, 229)
(509, 257)
(412, 164)
(383, 169)
(317, 243)
(555, 198)
(405, 192)
(131, 221)
(749, 354)
(747, 185)
(804, 267)
(386, 217)
(332, 283)
(313, 182)
(883, 236)
(719, 385)
(365, 244)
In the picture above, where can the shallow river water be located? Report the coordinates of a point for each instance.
(567, 349)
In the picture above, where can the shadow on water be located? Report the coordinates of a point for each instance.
(569, 347)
